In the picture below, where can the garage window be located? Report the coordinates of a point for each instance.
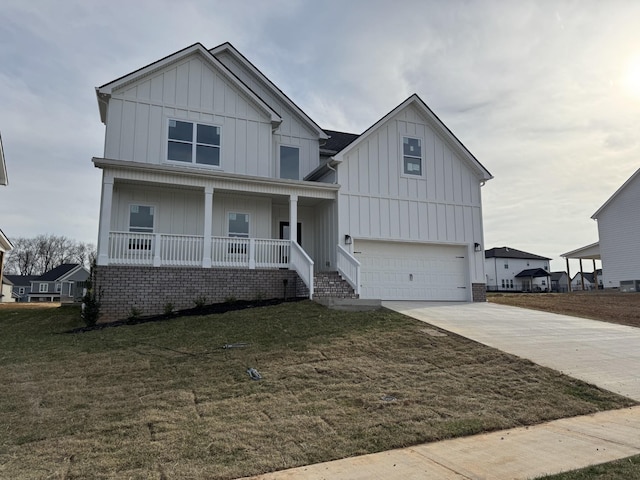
(412, 156)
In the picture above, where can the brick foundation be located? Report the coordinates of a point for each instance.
(479, 292)
(149, 289)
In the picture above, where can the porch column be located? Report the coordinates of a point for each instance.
(208, 211)
(568, 274)
(105, 219)
(293, 217)
(595, 274)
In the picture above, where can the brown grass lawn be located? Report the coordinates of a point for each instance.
(164, 400)
(623, 308)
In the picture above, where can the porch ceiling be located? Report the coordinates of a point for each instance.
(197, 178)
(589, 252)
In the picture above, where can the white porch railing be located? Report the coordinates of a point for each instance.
(160, 249)
(302, 264)
(349, 268)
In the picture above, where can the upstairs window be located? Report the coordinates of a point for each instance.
(412, 156)
(193, 143)
(289, 162)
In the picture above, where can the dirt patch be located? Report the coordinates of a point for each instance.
(614, 307)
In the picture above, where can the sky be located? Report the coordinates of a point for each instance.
(545, 94)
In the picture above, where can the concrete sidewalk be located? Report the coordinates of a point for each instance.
(518, 453)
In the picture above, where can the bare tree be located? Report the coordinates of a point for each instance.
(34, 256)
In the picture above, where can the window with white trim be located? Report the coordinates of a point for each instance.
(44, 288)
(412, 156)
(141, 220)
(196, 143)
(57, 287)
(239, 225)
(289, 162)
(21, 290)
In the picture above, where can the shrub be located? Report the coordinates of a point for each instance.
(91, 301)
(134, 313)
(168, 308)
(200, 301)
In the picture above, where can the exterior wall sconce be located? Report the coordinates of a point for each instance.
(477, 247)
(348, 240)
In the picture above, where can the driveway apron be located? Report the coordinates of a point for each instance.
(604, 354)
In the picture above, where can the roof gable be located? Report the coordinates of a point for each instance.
(533, 272)
(435, 122)
(4, 179)
(105, 91)
(57, 273)
(507, 252)
(5, 243)
(632, 179)
(230, 49)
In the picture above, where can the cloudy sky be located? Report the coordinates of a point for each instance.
(545, 94)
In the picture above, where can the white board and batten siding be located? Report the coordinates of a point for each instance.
(192, 90)
(437, 213)
(293, 131)
(619, 233)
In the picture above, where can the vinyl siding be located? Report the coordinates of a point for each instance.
(378, 201)
(619, 232)
(190, 90)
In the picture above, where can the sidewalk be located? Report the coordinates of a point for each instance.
(518, 453)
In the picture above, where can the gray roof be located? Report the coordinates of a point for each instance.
(557, 275)
(55, 273)
(337, 141)
(507, 252)
(21, 280)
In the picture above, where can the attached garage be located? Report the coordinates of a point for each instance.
(413, 271)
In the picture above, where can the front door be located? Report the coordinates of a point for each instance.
(285, 235)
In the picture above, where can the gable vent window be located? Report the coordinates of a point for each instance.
(412, 156)
(194, 143)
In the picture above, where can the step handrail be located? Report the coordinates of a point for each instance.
(349, 268)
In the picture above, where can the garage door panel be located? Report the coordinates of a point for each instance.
(408, 271)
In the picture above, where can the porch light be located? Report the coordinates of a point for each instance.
(348, 240)
(477, 247)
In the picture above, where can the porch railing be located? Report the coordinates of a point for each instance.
(349, 268)
(302, 263)
(160, 249)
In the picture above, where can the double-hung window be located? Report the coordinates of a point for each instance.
(412, 156)
(140, 221)
(289, 162)
(195, 143)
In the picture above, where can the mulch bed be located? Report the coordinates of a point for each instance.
(214, 308)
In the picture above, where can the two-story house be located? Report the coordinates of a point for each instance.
(58, 284)
(508, 269)
(215, 184)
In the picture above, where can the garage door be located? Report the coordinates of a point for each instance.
(410, 271)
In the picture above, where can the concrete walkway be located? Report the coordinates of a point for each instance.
(604, 354)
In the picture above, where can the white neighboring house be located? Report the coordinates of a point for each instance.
(215, 184)
(619, 234)
(508, 269)
(5, 244)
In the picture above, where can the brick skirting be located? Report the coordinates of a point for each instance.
(479, 292)
(150, 289)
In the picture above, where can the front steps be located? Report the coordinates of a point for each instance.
(331, 285)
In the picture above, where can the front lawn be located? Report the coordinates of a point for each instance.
(165, 400)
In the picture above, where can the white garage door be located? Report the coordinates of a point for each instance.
(410, 271)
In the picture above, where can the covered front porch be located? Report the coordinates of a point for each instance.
(169, 217)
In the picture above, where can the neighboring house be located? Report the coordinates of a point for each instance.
(21, 286)
(215, 184)
(58, 284)
(619, 230)
(559, 282)
(589, 281)
(6, 291)
(508, 269)
(5, 244)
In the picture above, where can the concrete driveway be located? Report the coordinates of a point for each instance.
(604, 354)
